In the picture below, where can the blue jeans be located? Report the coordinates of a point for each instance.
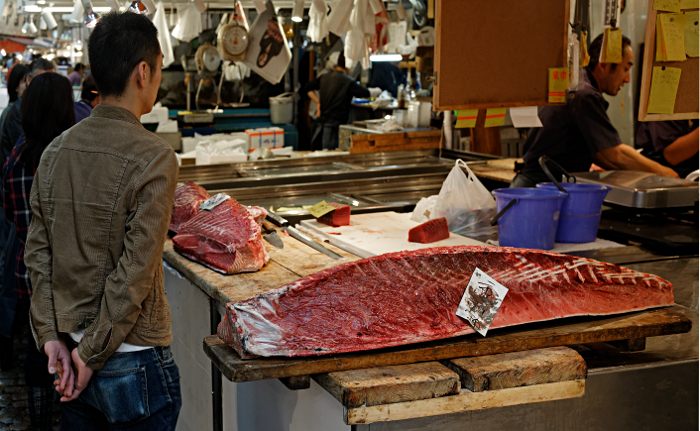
(134, 391)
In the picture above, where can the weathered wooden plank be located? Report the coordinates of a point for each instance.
(286, 265)
(296, 382)
(385, 385)
(510, 370)
(561, 332)
(464, 401)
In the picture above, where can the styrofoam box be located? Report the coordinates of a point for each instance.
(190, 144)
(272, 137)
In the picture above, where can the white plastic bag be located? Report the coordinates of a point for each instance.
(464, 202)
(424, 209)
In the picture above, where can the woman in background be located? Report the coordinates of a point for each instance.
(46, 112)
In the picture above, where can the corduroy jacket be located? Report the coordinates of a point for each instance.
(102, 199)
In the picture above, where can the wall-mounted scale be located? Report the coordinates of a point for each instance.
(232, 41)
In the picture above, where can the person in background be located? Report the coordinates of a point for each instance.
(12, 127)
(671, 143)
(336, 90)
(101, 205)
(47, 111)
(8, 295)
(76, 76)
(387, 76)
(89, 98)
(579, 133)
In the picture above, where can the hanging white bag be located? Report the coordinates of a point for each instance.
(464, 202)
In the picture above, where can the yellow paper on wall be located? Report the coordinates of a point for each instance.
(558, 83)
(690, 4)
(611, 51)
(660, 49)
(673, 35)
(691, 34)
(668, 5)
(664, 86)
(466, 118)
(585, 57)
(495, 117)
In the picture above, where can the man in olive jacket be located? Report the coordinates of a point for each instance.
(101, 201)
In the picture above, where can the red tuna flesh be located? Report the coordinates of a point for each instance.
(340, 216)
(188, 197)
(430, 231)
(410, 297)
(226, 239)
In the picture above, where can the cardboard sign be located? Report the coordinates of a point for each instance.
(320, 209)
(495, 117)
(466, 118)
(268, 54)
(664, 86)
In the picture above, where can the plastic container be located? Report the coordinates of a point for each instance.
(580, 211)
(282, 108)
(531, 222)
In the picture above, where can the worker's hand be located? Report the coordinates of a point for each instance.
(60, 362)
(375, 91)
(318, 111)
(668, 172)
(82, 377)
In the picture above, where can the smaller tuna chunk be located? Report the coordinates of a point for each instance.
(430, 231)
(258, 213)
(188, 197)
(226, 239)
(340, 216)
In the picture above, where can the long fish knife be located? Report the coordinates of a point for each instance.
(311, 243)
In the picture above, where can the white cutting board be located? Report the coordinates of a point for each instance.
(378, 233)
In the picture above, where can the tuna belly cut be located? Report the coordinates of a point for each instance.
(188, 197)
(409, 297)
(226, 239)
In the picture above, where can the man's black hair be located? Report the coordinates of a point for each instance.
(79, 67)
(594, 51)
(17, 74)
(40, 64)
(119, 42)
(89, 90)
(46, 112)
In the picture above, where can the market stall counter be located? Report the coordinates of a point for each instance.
(257, 401)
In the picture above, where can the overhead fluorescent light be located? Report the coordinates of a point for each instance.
(385, 57)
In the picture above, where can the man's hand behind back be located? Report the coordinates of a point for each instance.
(60, 362)
(82, 377)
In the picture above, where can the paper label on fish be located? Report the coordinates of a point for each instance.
(320, 209)
(214, 201)
(481, 301)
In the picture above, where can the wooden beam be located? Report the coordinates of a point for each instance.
(631, 345)
(466, 400)
(510, 370)
(386, 385)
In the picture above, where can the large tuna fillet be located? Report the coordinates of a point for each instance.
(410, 297)
(226, 239)
(188, 197)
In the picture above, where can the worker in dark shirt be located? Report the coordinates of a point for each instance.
(337, 90)
(671, 143)
(580, 132)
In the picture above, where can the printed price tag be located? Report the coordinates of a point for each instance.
(481, 301)
(321, 209)
(214, 201)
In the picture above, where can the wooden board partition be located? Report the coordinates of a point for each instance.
(687, 96)
(494, 54)
(562, 332)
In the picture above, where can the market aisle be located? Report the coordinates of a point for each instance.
(13, 396)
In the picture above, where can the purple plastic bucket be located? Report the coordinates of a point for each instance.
(580, 211)
(532, 221)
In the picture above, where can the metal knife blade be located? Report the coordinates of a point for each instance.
(311, 243)
(274, 239)
(277, 220)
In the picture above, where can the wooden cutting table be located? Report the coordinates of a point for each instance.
(425, 379)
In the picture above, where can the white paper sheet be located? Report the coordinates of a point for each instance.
(525, 117)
